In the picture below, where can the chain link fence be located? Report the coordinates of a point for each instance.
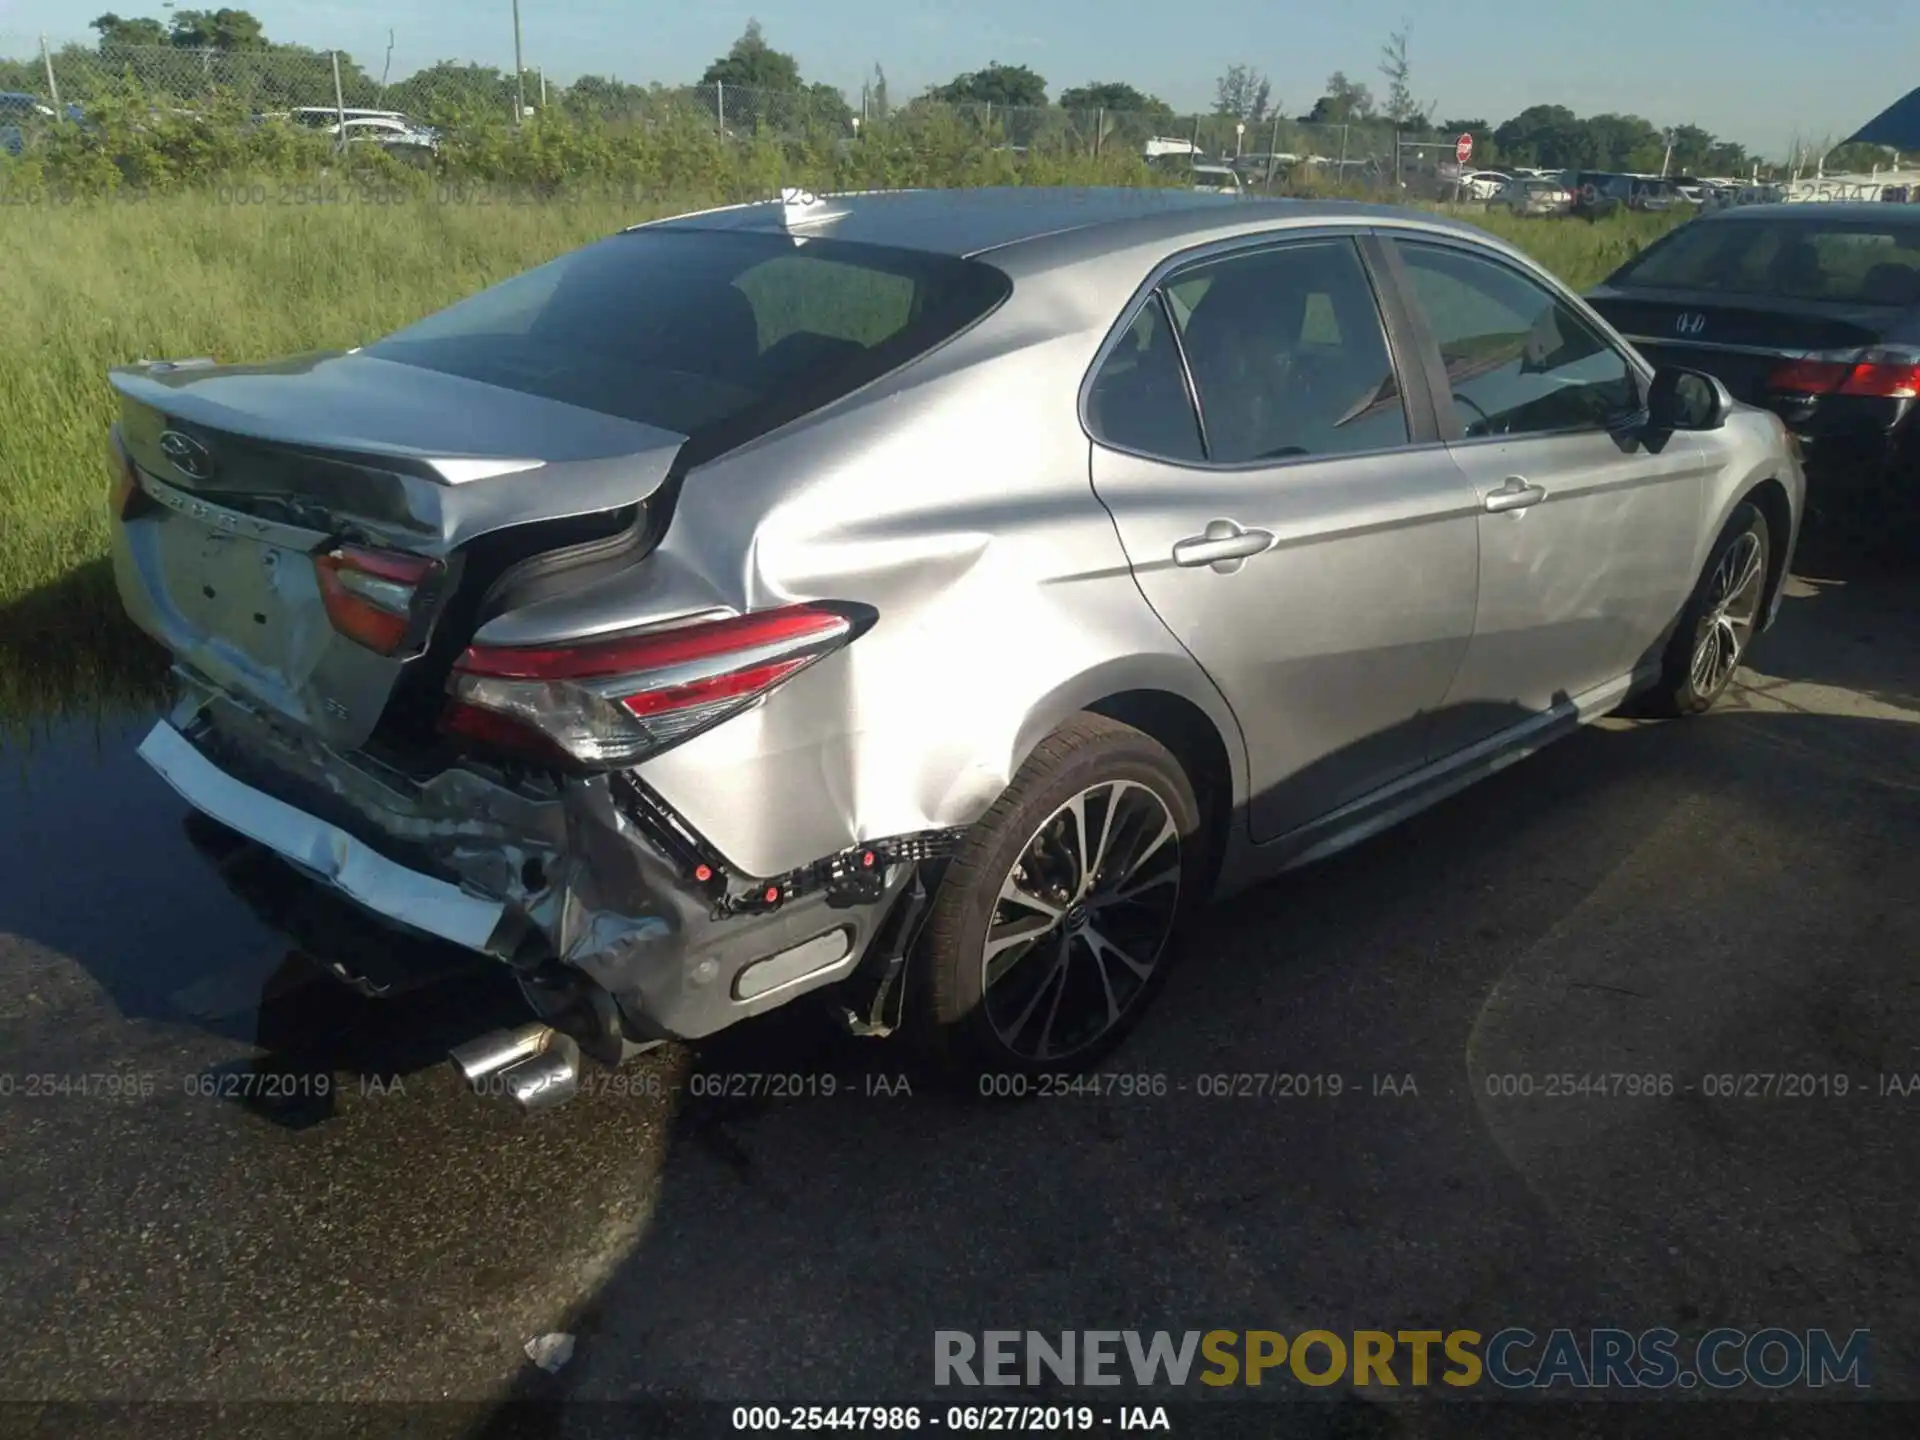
(427, 111)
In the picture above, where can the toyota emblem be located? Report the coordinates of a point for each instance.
(187, 455)
(1691, 323)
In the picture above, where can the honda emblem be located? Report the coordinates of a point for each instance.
(1690, 323)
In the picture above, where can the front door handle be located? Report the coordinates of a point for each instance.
(1224, 546)
(1516, 494)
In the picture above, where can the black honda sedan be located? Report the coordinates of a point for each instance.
(1811, 310)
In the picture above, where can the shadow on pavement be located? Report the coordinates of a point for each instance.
(1732, 895)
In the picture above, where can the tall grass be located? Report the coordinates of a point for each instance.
(88, 285)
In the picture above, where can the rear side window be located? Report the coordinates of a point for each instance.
(1139, 400)
(693, 330)
(1858, 263)
(1288, 354)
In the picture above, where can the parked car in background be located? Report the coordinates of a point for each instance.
(328, 117)
(1601, 192)
(1161, 145)
(402, 136)
(21, 116)
(587, 625)
(1529, 196)
(1483, 184)
(1216, 180)
(393, 129)
(1812, 311)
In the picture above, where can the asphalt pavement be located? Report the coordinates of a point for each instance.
(226, 1176)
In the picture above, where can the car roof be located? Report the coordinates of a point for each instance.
(1843, 211)
(968, 222)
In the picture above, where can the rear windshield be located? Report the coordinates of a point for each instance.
(693, 330)
(1853, 263)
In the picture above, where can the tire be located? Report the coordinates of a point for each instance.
(1739, 559)
(1058, 1001)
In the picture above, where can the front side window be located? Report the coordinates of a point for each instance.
(1288, 354)
(1519, 359)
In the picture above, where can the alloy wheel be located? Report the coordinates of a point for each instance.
(1733, 605)
(1080, 921)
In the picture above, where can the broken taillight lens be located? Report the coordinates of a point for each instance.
(612, 703)
(1889, 373)
(369, 594)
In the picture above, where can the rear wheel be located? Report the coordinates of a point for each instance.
(1719, 622)
(1051, 931)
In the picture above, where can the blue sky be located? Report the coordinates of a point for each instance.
(1758, 71)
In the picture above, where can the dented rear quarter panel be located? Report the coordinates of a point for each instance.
(954, 497)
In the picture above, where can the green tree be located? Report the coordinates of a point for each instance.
(823, 105)
(597, 97)
(453, 90)
(116, 32)
(1345, 102)
(1400, 106)
(1243, 93)
(1625, 142)
(1691, 146)
(217, 30)
(1724, 157)
(1114, 95)
(996, 85)
(753, 64)
(1546, 135)
(877, 106)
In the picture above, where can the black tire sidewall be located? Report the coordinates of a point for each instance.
(1677, 689)
(952, 1020)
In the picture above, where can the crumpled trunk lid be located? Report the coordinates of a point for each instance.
(248, 473)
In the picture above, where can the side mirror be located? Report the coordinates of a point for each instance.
(1686, 400)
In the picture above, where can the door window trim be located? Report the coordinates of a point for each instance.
(1417, 406)
(1434, 366)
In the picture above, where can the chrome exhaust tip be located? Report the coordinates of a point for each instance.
(536, 1065)
(488, 1055)
(548, 1079)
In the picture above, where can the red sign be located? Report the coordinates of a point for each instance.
(1463, 149)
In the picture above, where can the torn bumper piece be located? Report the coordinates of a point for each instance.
(323, 851)
(565, 876)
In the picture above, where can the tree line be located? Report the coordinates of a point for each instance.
(767, 83)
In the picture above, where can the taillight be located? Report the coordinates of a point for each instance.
(369, 594)
(611, 703)
(1888, 374)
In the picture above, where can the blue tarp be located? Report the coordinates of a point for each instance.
(1897, 126)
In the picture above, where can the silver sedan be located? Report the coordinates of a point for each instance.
(920, 600)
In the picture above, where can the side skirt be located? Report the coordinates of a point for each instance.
(1247, 864)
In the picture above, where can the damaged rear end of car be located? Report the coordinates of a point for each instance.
(330, 547)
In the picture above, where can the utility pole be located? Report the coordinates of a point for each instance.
(519, 72)
(53, 85)
(1667, 159)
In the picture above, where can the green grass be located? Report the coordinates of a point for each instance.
(90, 285)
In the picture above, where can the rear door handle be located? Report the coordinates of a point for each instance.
(1224, 546)
(1516, 494)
